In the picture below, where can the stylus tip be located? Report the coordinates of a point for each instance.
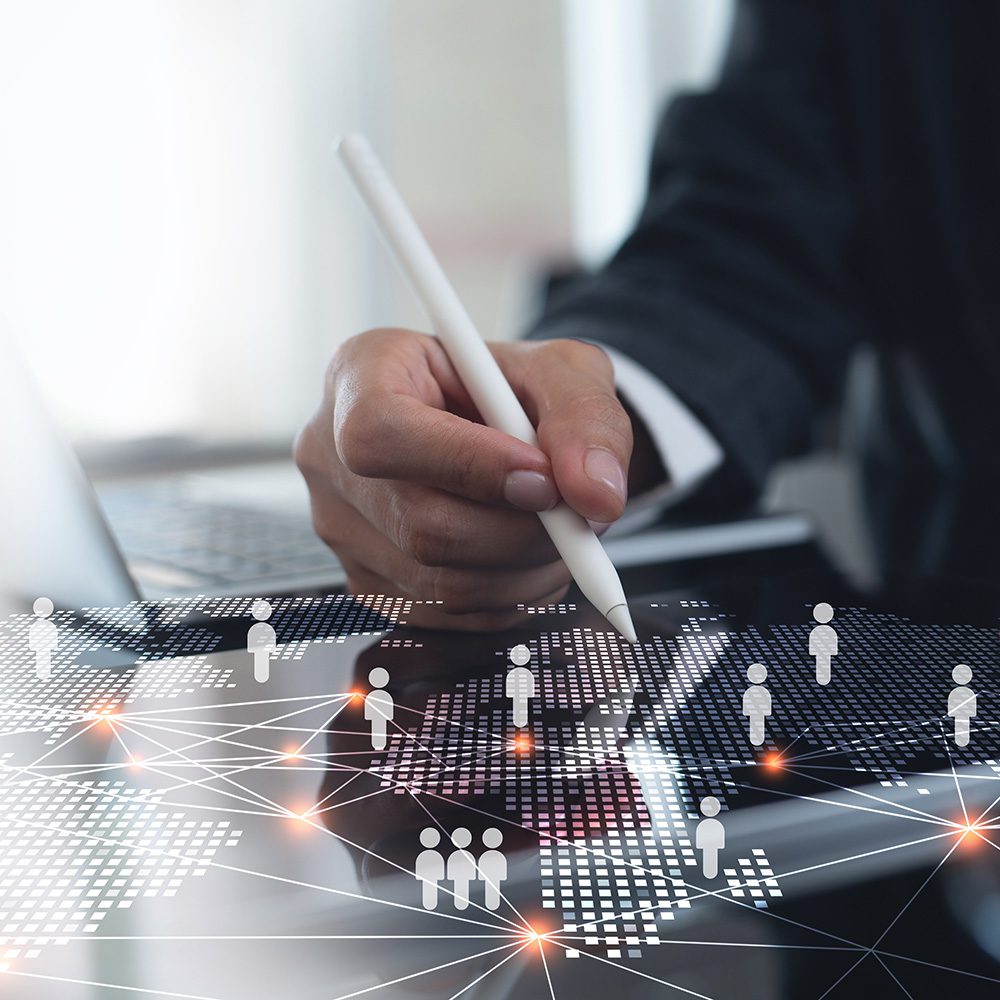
(622, 620)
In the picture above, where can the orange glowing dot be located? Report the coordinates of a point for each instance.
(773, 761)
(300, 818)
(535, 932)
(522, 744)
(969, 834)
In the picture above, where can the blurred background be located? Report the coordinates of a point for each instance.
(180, 252)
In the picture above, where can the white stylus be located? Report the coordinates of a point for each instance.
(576, 542)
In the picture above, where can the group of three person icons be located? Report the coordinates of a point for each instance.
(462, 868)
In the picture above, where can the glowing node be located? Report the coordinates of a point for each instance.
(969, 834)
(299, 817)
(106, 714)
(535, 932)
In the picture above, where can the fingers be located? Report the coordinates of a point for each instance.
(432, 527)
(417, 498)
(372, 561)
(435, 528)
(387, 426)
(582, 426)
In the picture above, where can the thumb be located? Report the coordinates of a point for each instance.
(582, 426)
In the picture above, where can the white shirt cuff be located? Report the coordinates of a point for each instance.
(686, 448)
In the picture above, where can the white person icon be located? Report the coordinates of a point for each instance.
(429, 868)
(710, 836)
(43, 637)
(962, 703)
(262, 640)
(520, 684)
(757, 702)
(823, 641)
(492, 867)
(379, 706)
(462, 870)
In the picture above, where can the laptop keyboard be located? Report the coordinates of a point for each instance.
(178, 542)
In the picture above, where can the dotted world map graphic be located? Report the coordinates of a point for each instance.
(622, 745)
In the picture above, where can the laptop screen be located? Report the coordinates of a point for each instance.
(55, 542)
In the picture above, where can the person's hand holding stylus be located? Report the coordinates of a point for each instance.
(417, 496)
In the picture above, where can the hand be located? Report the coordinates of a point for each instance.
(420, 499)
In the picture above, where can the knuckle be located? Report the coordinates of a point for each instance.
(361, 348)
(582, 355)
(466, 449)
(423, 532)
(340, 361)
(325, 535)
(365, 341)
(315, 458)
(356, 432)
(312, 450)
(304, 448)
(323, 526)
(357, 422)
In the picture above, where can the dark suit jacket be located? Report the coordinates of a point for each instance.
(838, 185)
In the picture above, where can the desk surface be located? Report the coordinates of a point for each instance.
(170, 825)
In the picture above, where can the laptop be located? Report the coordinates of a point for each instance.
(231, 529)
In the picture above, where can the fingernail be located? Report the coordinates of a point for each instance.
(599, 527)
(530, 490)
(601, 466)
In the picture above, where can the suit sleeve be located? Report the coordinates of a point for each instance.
(734, 288)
